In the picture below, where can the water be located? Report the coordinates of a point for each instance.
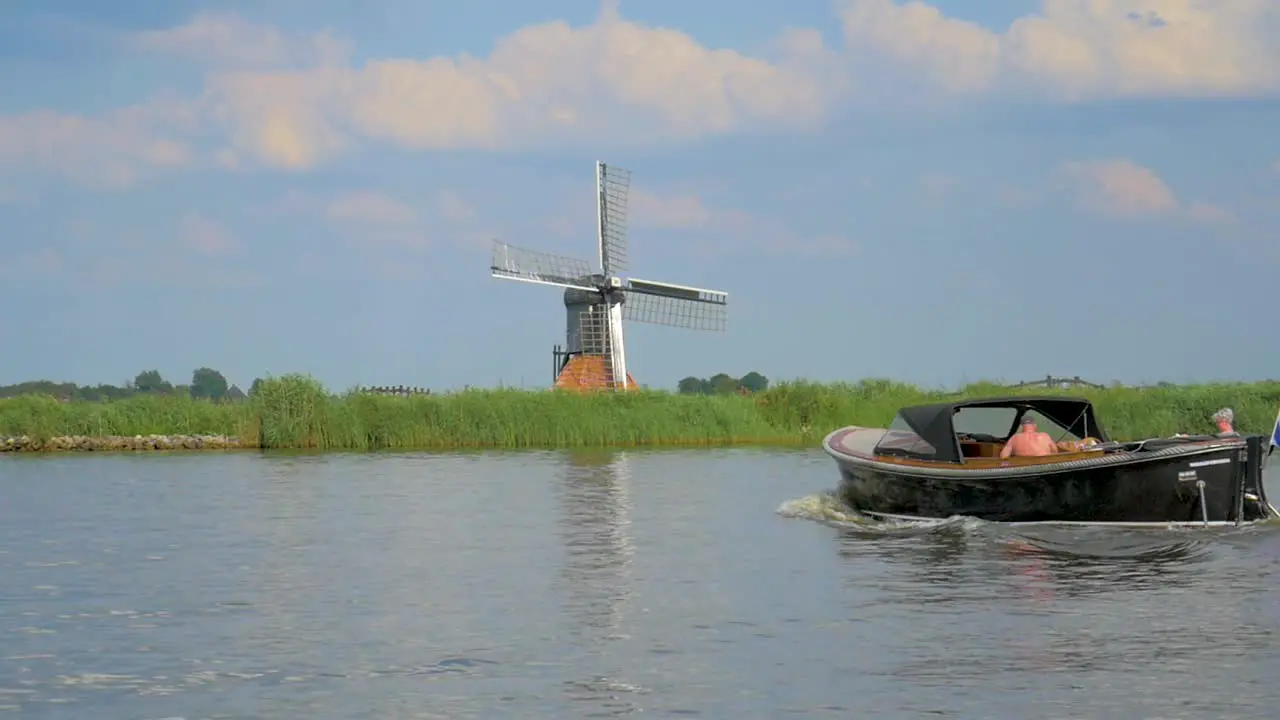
(564, 585)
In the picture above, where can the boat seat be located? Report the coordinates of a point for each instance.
(981, 449)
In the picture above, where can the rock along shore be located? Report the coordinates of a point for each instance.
(108, 443)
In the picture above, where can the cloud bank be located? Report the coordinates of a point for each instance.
(289, 101)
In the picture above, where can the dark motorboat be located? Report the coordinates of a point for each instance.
(943, 460)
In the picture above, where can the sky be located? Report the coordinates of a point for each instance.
(935, 192)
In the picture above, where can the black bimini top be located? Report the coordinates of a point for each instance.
(926, 431)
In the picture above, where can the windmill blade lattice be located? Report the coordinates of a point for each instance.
(675, 305)
(519, 263)
(674, 312)
(594, 329)
(614, 186)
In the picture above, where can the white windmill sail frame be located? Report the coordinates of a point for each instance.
(600, 217)
(618, 353)
(617, 343)
(634, 283)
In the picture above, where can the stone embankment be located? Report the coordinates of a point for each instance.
(119, 443)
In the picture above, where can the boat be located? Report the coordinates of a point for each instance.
(943, 460)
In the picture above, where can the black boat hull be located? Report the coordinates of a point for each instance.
(1222, 484)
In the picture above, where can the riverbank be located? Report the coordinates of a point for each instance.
(297, 412)
(119, 443)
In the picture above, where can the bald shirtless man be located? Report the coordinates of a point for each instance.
(1028, 442)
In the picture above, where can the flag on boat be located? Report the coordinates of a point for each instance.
(1275, 432)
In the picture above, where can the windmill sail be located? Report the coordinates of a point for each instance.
(545, 268)
(613, 185)
(612, 188)
(675, 305)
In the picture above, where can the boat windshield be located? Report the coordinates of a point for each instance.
(1056, 430)
(996, 424)
(900, 439)
(984, 423)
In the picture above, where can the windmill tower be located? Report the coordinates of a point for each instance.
(597, 300)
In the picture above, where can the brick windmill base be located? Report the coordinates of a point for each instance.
(583, 372)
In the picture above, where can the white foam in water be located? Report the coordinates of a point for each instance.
(827, 509)
(820, 507)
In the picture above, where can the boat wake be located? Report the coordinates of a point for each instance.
(1079, 542)
(936, 563)
(827, 509)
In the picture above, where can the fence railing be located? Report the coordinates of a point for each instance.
(397, 390)
(1051, 381)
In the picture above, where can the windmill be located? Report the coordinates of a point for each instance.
(597, 300)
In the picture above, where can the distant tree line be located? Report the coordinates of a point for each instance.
(206, 383)
(724, 384)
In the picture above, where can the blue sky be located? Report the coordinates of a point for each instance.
(936, 193)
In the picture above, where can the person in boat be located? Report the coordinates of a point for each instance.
(1225, 420)
(1028, 441)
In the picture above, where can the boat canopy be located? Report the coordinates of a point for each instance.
(928, 432)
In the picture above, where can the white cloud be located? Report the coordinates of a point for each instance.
(1120, 187)
(544, 83)
(228, 41)
(678, 211)
(455, 208)
(725, 228)
(1123, 188)
(702, 226)
(206, 237)
(369, 218)
(1080, 49)
(292, 101)
(1209, 213)
(372, 208)
(108, 152)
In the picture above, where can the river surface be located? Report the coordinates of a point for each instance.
(717, 584)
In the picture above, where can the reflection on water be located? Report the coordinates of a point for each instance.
(594, 527)
(595, 507)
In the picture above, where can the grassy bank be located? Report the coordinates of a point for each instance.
(297, 412)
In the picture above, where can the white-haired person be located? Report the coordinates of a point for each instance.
(1225, 420)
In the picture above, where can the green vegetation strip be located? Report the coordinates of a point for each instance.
(295, 411)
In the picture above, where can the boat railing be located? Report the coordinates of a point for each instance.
(1159, 442)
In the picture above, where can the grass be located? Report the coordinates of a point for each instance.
(295, 411)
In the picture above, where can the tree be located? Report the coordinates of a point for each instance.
(255, 387)
(690, 386)
(149, 381)
(208, 383)
(723, 384)
(754, 382)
